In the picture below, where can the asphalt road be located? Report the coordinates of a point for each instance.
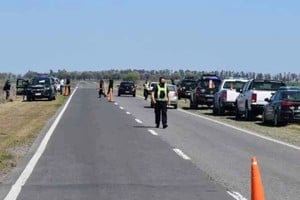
(224, 153)
(100, 151)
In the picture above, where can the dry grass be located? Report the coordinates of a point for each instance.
(20, 123)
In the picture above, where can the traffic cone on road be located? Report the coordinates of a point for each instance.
(257, 190)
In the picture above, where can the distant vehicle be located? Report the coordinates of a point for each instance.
(283, 107)
(127, 88)
(225, 98)
(41, 86)
(184, 88)
(172, 95)
(203, 93)
(251, 99)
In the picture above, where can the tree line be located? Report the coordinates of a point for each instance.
(142, 74)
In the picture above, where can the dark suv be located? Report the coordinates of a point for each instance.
(127, 87)
(41, 86)
(206, 87)
(184, 88)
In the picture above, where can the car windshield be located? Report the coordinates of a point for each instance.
(234, 85)
(210, 83)
(188, 83)
(271, 86)
(290, 96)
(126, 84)
(171, 88)
(40, 81)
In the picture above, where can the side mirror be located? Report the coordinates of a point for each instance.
(267, 100)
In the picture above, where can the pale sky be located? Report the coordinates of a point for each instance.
(78, 35)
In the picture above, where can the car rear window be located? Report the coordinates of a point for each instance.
(171, 88)
(234, 84)
(271, 86)
(40, 81)
(290, 95)
(210, 83)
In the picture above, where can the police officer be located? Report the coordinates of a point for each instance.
(146, 87)
(160, 98)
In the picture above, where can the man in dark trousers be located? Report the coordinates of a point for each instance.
(160, 98)
(6, 88)
(146, 87)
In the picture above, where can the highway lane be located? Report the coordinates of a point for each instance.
(224, 153)
(98, 151)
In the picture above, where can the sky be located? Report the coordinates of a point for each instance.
(83, 35)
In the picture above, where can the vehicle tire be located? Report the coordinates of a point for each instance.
(119, 94)
(237, 113)
(28, 98)
(215, 111)
(220, 109)
(50, 98)
(275, 120)
(193, 105)
(133, 95)
(175, 106)
(263, 120)
(248, 113)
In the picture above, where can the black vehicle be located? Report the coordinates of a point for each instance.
(41, 86)
(205, 89)
(282, 108)
(127, 87)
(184, 88)
(21, 86)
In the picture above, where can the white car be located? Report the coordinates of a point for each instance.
(226, 96)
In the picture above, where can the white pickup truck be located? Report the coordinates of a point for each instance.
(251, 99)
(225, 98)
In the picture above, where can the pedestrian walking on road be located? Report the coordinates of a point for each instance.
(160, 98)
(6, 89)
(110, 91)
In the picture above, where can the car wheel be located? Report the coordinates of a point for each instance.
(175, 106)
(133, 95)
(220, 109)
(215, 111)
(263, 120)
(248, 113)
(119, 94)
(275, 119)
(237, 113)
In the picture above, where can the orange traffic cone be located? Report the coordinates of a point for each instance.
(257, 190)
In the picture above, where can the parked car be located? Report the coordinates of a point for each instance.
(203, 93)
(251, 99)
(172, 95)
(283, 107)
(41, 86)
(225, 98)
(127, 87)
(184, 88)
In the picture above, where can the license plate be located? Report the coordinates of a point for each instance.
(209, 100)
(126, 91)
(38, 94)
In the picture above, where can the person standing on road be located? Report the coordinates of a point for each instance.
(6, 88)
(160, 98)
(101, 89)
(110, 91)
(146, 87)
(68, 82)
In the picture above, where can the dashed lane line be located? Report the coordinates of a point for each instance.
(181, 154)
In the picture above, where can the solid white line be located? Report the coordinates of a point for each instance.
(181, 154)
(16, 188)
(138, 121)
(243, 130)
(121, 108)
(153, 132)
(128, 113)
(236, 195)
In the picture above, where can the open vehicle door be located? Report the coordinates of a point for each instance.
(21, 86)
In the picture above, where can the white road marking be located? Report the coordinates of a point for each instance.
(243, 130)
(236, 195)
(153, 132)
(138, 121)
(128, 113)
(17, 187)
(181, 154)
(121, 108)
(116, 103)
